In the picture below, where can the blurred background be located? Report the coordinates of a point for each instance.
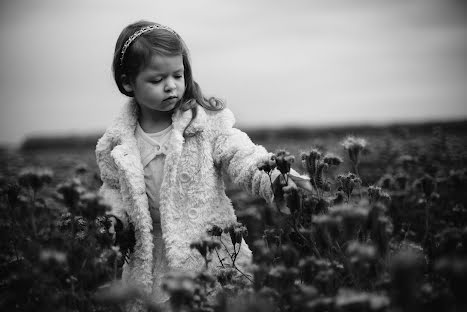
(301, 63)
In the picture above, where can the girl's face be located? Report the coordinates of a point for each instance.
(160, 85)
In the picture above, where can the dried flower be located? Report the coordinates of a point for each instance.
(237, 231)
(205, 246)
(348, 182)
(268, 165)
(354, 146)
(215, 231)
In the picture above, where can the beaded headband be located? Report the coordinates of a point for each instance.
(139, 33)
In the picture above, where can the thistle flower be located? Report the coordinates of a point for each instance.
(354, 146)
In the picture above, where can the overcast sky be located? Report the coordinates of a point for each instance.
(276, 63)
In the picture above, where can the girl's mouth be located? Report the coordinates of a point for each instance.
(171, 98)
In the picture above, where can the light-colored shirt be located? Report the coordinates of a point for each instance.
(153, 148)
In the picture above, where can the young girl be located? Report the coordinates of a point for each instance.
(162, 160)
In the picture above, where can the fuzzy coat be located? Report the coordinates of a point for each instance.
(192, 195)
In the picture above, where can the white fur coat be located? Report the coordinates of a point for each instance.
(192, 192)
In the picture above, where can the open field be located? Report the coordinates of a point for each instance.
(393, 238)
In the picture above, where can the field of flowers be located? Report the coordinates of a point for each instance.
(383, 228)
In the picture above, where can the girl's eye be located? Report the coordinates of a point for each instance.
(156, 81)
(179, 76)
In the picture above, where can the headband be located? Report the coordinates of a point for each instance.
(139, 33)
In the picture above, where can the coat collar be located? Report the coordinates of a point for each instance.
(125, 124)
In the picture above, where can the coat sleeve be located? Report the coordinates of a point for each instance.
(239, 158)
(110, 189)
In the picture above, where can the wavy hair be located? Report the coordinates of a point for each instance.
(159, 42)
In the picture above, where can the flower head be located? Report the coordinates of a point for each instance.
(354, 146)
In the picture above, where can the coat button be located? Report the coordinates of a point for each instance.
(192, 213)
(184, 177)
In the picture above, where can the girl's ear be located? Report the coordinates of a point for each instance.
(126, 83)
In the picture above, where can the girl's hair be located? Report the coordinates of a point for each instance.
(159, 42)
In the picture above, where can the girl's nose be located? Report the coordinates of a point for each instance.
(170, 84)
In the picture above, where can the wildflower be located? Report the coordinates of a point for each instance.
(339, 199)
(205, 246)
(117, 292)
(181, 287)
(81, 169)
(237, 231)
(226, 275)
(426, 184)
(289, 255)
(268, 165)
(71, 192)
(47, 255)
(386, 181)
(215, 231)
(361, 252)
(375, 193)
(406, 270)
(35, 178)
(348, 182)
(406, 161)
(402, 181)
(284, 161)
(332, 160)
(310, 161)
(351, 218)
(319, 177)
(352, 300)
(92, 205)
(12, 192)
(354, 146)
